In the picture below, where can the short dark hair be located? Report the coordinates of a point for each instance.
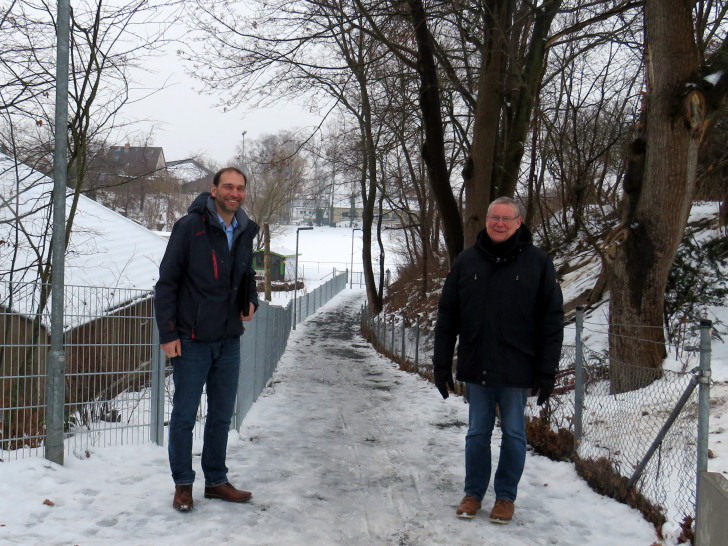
(218, 174)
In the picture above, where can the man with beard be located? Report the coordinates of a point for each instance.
(206, 290)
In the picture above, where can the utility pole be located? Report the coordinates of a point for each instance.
(56, 367)
(242, 159)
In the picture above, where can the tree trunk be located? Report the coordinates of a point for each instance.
(266, 262)
(433, 151)
(369, 195)
(479, 167)
(523, 100)
(652, 234)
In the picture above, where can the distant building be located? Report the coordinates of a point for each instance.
(139, 162)
(192, 176)
(309, 212)
(282, 263)
(129, 173)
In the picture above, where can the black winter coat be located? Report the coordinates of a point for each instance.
(203, 285)
(506, 308)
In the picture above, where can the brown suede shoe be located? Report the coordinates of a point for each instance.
(468, 508)
(228, 493)
(502, 511)
(183, 498)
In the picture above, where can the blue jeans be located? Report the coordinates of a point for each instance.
(216, 365)
(512, 404)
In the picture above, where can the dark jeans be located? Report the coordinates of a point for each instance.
(216, 365)
(512, 404)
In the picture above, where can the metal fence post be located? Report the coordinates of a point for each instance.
(379, 329)
(404, 332)
(417, 344)
(393, 330)
(703, 404)
(579, 378)
(270, 326)
(159, 363)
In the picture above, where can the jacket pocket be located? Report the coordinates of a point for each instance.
(210, 321)
(470, 355)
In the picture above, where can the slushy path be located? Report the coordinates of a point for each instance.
(351, 450)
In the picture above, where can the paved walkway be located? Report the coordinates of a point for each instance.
(364, 453)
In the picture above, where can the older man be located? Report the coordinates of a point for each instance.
(503, 300)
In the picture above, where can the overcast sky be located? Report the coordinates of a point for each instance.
(187, 122)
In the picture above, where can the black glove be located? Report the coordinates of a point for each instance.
(543, 386)
(443, 380)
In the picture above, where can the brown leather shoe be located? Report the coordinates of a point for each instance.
(502, 511)
(228, 493)
(183, 498)
(468, 508)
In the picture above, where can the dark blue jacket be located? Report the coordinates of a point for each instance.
(203, 285)
(506, 307)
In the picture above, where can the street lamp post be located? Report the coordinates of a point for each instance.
(242, 163)
(351, 271)
(295, 281)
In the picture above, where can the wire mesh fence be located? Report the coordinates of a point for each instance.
(308, 303)
(411, 343)
(118, 387)
(24, 349)
(107, 334)
(615, 431)
(644, 440)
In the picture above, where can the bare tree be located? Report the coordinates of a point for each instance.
(104, 46)
(277, 172)
(100, 57)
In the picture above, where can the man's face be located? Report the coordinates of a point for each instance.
(501, 222)
(229, 194)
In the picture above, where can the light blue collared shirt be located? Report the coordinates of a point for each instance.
(229, 229)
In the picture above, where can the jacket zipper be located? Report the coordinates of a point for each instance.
(214, 263)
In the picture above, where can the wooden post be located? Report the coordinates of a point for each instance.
(266, 261)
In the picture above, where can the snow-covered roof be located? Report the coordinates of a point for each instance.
(281, 251)
(187, 170)
(105, 248)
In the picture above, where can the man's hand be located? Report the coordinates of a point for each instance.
(173, 348)
(544, 387)
(443, 380)
(249, 316)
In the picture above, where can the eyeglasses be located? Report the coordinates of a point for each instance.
(505, 219)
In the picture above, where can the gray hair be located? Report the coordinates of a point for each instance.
(507, 201)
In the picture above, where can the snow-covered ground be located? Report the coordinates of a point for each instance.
(342, 448)
(325, 249)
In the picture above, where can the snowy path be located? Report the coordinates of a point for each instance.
(342, 448)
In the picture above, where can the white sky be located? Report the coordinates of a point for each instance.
(187, 122)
